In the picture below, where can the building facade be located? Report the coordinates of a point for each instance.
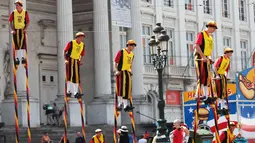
(54, 22)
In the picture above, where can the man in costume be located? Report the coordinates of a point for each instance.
(73, 53)
(123, 72)
(228, 135)
(98, 137)
(19, 21)
(203, 51)
(221, 68)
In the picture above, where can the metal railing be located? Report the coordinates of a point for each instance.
(179, 72)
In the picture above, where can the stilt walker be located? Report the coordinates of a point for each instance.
(123, 72)
(19, 21)
(73, 53)
(221, 68)
(203, 51)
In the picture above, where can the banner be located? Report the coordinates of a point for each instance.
(173, 97)
(121, 13)
(245, 84)
(188, 96)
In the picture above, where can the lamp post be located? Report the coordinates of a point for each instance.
(158, 47)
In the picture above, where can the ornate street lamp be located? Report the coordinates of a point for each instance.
(159, 47)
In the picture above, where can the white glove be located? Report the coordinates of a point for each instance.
(117, 73)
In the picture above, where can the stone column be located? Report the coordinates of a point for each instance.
(159, 12)
(102, 49)
(236, 30)
(8, 103)
(252, 34)
(181, 60)
(100, 111)
(65, 34)
(218, 50)
(136, 34)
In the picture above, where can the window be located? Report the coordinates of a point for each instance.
(190, 41)
(226, 42)
(189, 5)
(254, 11)
(147, 30)
(242, 10)
(207, 7)
(171, 50)
(168, 3)
(123, 37)
(244, 48)
(43, 78)
(51, 79)
(225, 8)
(149, 1)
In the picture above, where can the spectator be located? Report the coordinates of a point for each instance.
(142, 139)
(124, 137)
(146, 135)
(46, 138)
(79, 138)
(178, 134)
(130, 138)
(55, 115)
(62, 139)
(98, 137)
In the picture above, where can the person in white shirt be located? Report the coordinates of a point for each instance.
(142, 140)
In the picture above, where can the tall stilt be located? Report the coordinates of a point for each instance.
(15, 67)
(132, 117)
(24, 62)
(213, 106)
(66, 98)
(117, 113)
(82, 113)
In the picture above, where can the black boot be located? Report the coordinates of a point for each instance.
(78, 95)
(23, 60)
(119, 108)
(17, 61)
(219, 111)
(69, 94)
(210, 100)
(129, 109)
(225, 111)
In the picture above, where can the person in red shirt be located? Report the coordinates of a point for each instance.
(221, 68)
(19, 21)
(178, 135)
(123, 72)
(203, 50)
(73, 53)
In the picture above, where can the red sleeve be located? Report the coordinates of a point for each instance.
(27, 17)
(199, 39)
(228, 67)
(11, 17)
(217, 64)
(68, 46)
(83, 51)
(117, 58)
(222, 136)
(92, 140)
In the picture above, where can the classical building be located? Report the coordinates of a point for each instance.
(54, 22)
